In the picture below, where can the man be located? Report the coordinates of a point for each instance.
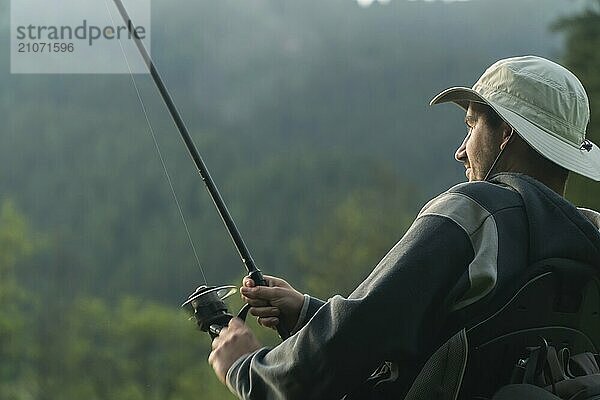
(526, 119)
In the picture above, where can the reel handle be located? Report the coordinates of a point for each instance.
(215, 329)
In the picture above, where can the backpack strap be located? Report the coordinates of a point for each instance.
(543, 367)
(584, 364)
(536, 365)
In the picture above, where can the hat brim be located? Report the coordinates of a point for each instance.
(573, 158)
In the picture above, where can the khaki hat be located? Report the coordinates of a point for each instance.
(545, 104)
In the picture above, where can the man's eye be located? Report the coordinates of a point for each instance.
(470, 123)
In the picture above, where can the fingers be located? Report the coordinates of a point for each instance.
(216, 341)
(234, 341)
(262, 293)
(226, 331)
(255, 303)
(260, 296)
(265, 311)
(273, 303)
(271, 281)
(252, 297)
(269, 322)
(266, 316)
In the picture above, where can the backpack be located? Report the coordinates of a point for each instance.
(542, 343)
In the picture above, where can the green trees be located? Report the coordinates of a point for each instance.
(355, 234)
(16, 352)
(91, 348)
(129, 350)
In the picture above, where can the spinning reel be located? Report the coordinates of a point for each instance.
(207, 307)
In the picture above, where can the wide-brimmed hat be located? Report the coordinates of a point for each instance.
(544, 102)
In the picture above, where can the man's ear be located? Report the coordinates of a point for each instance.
(507, 133)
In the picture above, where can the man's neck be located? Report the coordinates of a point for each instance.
(524, 160)
(558, 186)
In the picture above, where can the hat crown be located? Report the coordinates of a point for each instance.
(543, 92)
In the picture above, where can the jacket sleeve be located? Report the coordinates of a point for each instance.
(395, 314)
(310, 306)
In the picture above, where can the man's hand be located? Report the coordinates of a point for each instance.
(232, 343)
(278, 302)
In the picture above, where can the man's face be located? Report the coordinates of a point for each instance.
(481, 145)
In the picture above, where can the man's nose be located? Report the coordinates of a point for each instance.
(461, 152)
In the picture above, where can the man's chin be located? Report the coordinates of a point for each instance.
(472, 176)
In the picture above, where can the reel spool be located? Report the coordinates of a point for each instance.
(207, 307)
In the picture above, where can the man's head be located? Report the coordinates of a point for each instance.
(529, 115)
(488, 135)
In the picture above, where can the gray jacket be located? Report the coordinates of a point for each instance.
(464, 245)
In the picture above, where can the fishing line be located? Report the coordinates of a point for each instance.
(158, 151)
(253, 272)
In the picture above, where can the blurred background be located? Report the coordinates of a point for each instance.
(313, 119)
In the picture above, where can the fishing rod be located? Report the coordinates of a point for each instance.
(206, 302)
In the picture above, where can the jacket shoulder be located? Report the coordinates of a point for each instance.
(490, 196)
